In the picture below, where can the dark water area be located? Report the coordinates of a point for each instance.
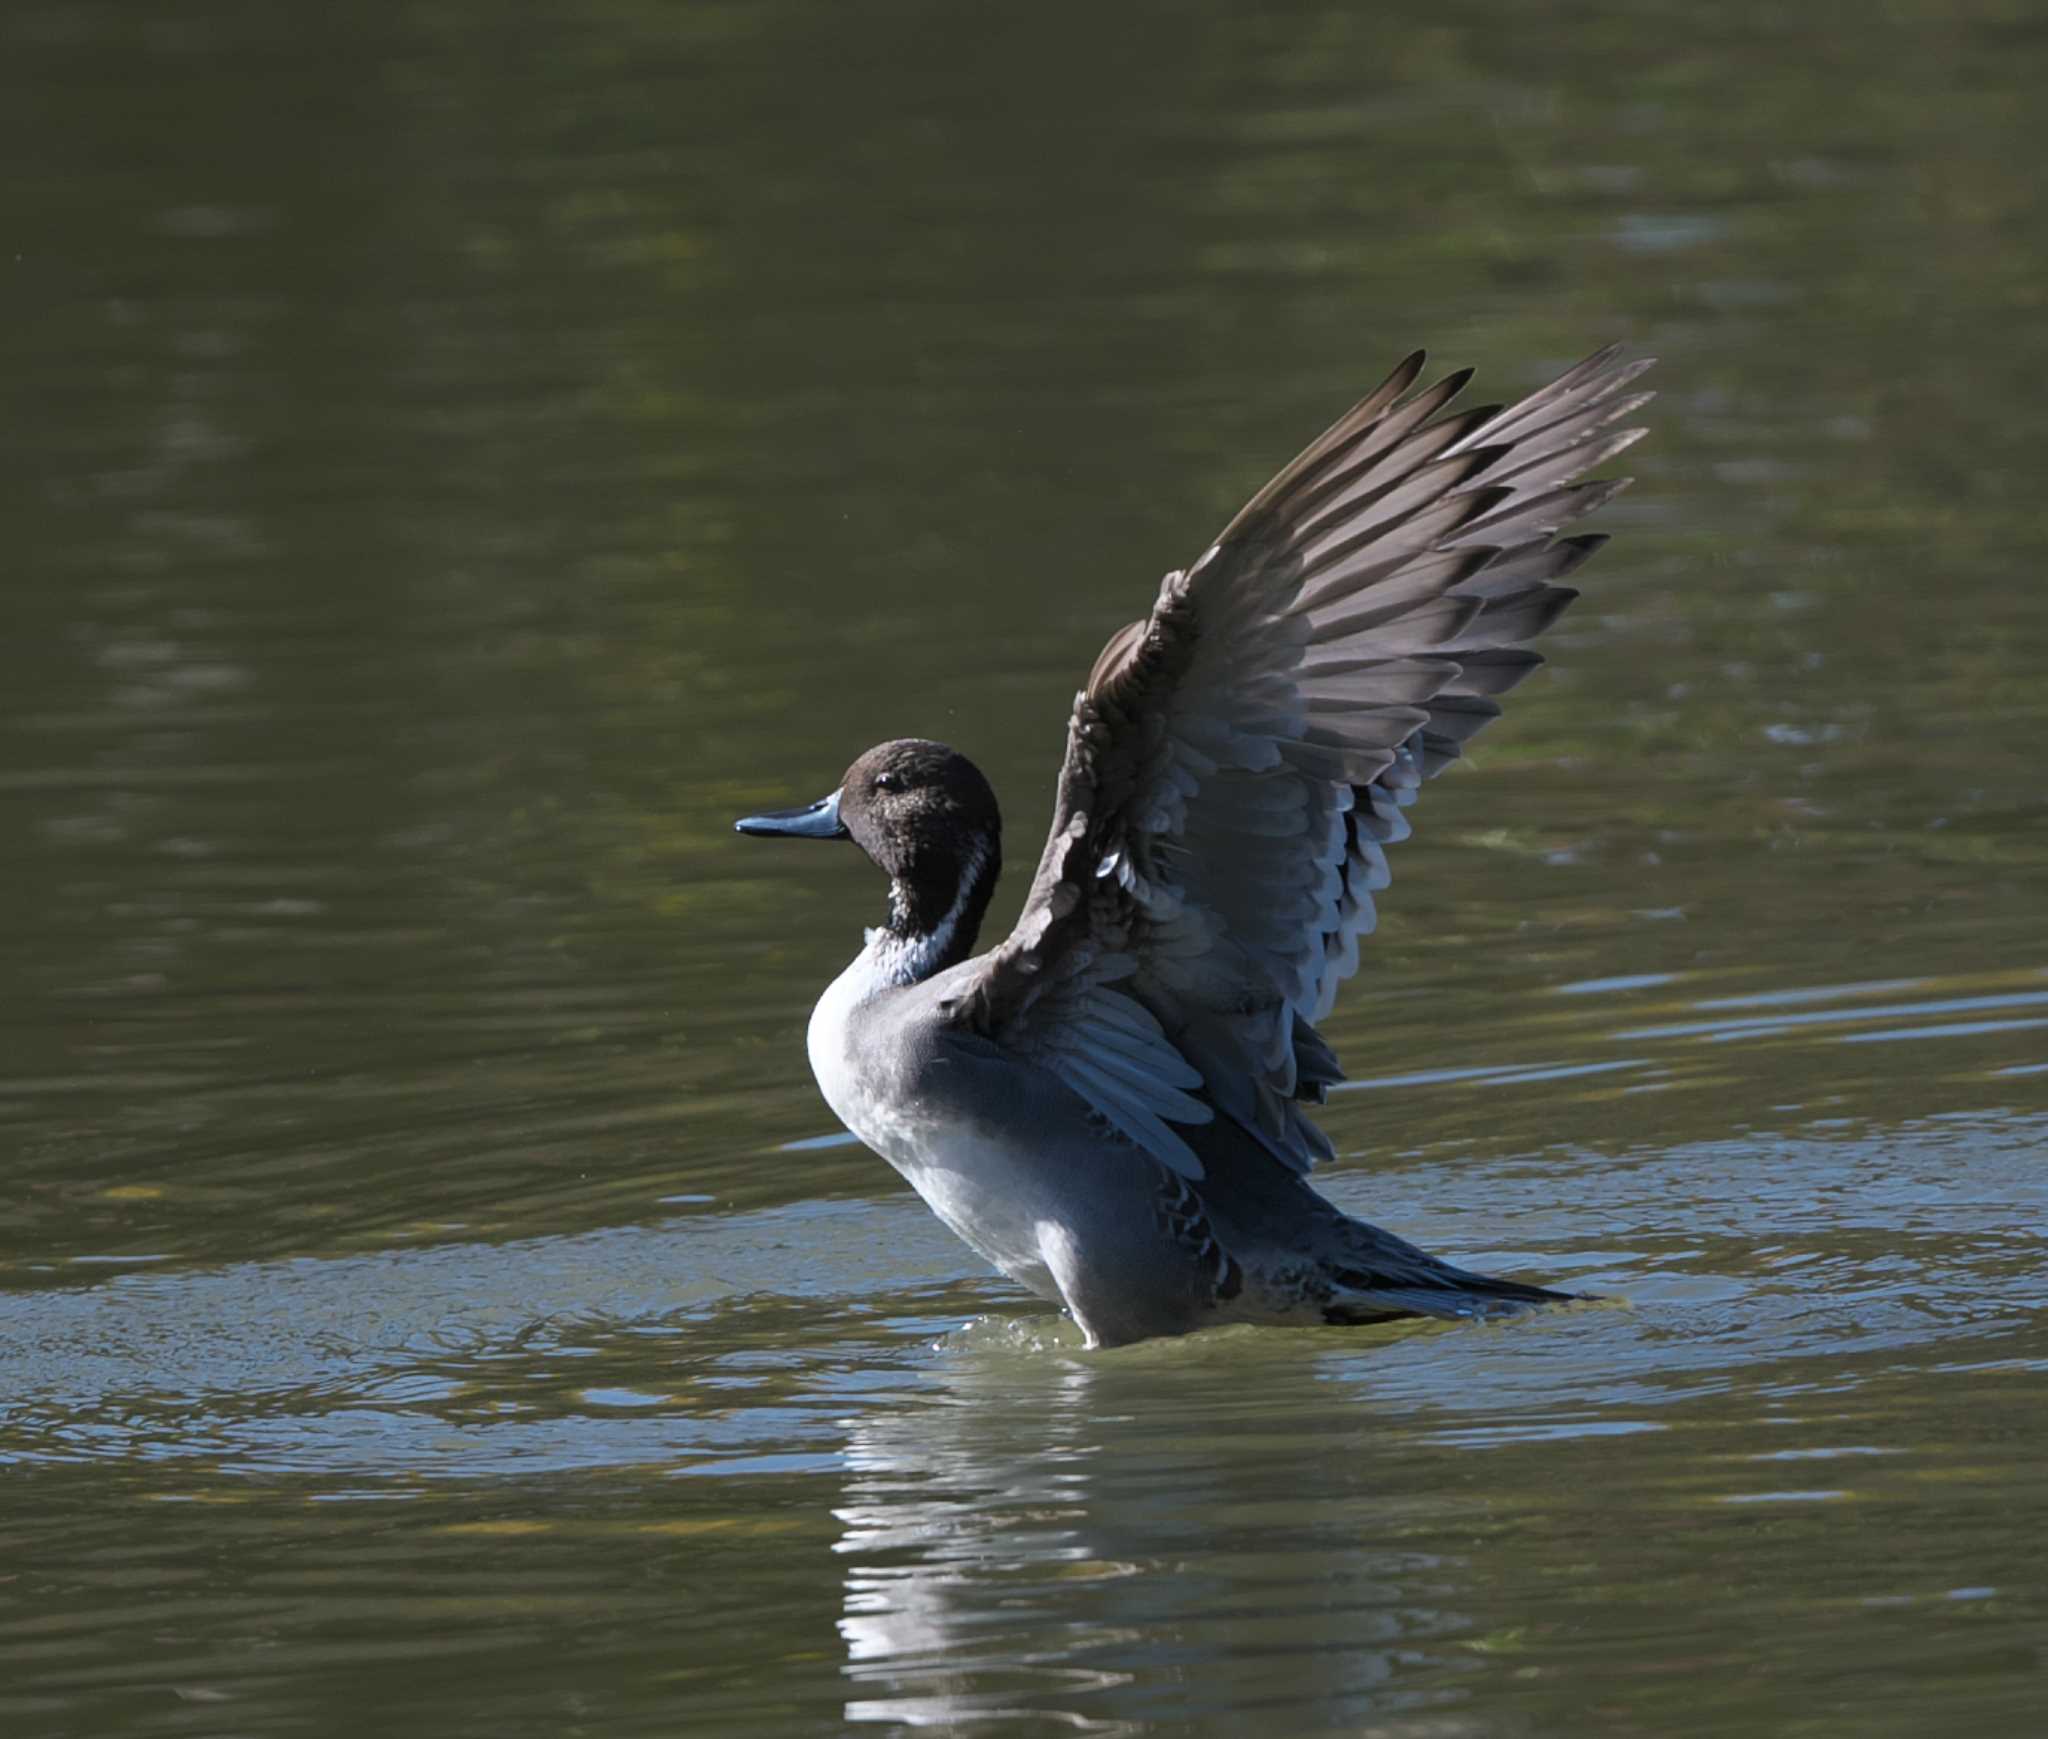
(455, 459)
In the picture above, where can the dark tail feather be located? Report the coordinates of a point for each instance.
(1442, 1291)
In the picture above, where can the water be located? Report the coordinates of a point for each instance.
(454, 464)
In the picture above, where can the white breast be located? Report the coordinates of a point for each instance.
(966, 1176)
(852, 1092)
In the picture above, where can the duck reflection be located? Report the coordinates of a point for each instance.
(1137, 1539)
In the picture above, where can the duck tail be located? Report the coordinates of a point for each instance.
(1436, 1290)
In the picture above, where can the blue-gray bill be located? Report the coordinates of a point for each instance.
(819, 820)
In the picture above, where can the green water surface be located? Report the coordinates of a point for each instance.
(453, 458)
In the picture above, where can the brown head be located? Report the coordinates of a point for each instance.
(926, 816)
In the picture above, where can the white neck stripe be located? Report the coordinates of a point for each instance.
(901, 960)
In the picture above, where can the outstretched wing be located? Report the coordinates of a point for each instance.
(1240, 759)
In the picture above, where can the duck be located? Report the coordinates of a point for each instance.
(1112, 1105)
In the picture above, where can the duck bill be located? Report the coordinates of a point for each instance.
(819, 820)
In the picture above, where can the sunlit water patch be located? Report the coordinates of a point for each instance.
(717, 1342)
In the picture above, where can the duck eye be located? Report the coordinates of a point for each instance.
(888, 782)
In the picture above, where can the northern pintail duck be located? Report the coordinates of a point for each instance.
(1109, 1105)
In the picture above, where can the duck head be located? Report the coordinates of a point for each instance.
(927, 818)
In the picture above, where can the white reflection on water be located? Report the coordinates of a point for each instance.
(984, 1485)
(1051, 1541)
(1757, 1026)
